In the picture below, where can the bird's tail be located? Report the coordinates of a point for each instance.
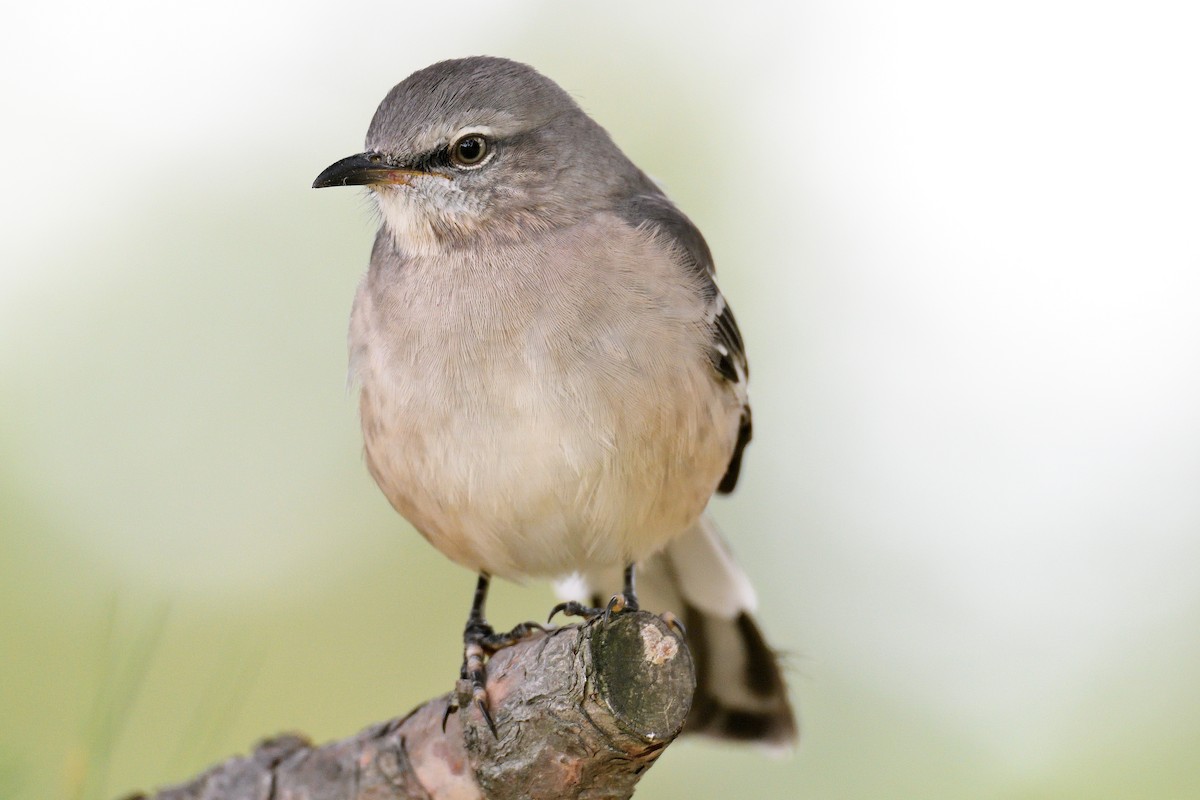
(740, 691)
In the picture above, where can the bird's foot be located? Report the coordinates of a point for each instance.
(573, 608)
(493, 642)
(480, 641)
(618, 604)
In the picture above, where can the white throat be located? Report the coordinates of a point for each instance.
(417, 212)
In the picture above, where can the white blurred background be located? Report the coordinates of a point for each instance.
(962, 241)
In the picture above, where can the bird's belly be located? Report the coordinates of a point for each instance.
(550, 407)
(540, 471)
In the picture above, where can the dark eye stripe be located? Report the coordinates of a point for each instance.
(440, 159)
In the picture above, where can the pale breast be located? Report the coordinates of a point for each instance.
(532, 415)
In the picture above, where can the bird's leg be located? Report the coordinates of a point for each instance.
(480, 640)
(479, 633)
(626, 600)
(476, 631)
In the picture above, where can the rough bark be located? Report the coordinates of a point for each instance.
(581, 712)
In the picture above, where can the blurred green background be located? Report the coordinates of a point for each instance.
(962, 243)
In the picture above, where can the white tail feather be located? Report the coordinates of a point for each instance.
(740, 692)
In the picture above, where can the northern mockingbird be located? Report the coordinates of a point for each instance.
(552, 384)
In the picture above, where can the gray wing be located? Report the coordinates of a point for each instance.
(728, 353)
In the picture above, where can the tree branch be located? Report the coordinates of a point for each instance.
(581, 712)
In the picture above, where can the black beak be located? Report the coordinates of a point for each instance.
(363, 169)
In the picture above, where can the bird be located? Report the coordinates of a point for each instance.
(551, 384)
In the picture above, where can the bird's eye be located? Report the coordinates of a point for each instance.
(469, 151)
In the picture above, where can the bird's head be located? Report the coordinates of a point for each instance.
(482, 147)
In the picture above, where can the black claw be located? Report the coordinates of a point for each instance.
(450, 709)
(487, 716)
(619, 604)
(574, 609)
(615, 605)
(525, 629)
(674, 624)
